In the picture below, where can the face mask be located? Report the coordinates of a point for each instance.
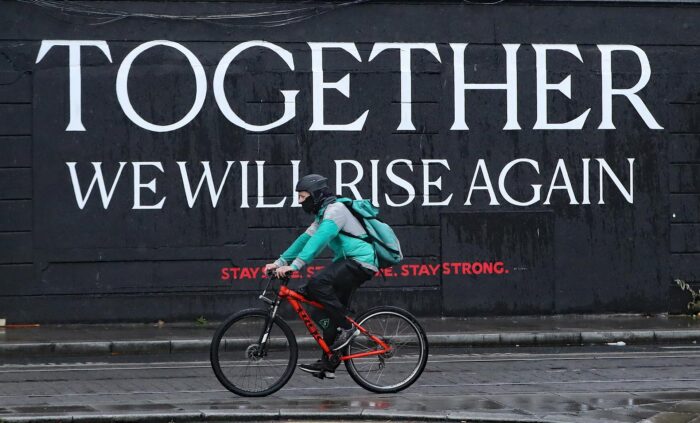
(308, 205)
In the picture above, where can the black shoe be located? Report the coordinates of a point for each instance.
(321, 368)
(344, 338)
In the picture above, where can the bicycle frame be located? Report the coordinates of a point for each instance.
(295, 299)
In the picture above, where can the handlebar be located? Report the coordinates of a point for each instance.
(273, 275)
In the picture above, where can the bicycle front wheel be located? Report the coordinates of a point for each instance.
(396, 369)
(247, 362)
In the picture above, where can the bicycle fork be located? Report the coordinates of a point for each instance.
(265, 335)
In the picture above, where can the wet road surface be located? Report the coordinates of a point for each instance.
(596, 384)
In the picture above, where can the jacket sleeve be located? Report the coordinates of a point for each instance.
(297, 246)
(327, 230)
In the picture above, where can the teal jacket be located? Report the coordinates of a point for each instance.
(325, 231)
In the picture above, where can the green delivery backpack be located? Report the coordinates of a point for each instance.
(381, 236)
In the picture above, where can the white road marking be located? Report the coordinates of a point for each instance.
(677, 347)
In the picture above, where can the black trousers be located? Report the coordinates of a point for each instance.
(333, 287)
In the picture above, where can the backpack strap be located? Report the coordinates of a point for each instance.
(365, 239)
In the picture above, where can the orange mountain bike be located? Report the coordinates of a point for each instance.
(254, 352)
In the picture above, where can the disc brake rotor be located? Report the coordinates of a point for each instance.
(253, 352)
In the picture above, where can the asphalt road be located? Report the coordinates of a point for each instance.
(596, 384)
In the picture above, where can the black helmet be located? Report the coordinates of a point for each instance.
(314, 185)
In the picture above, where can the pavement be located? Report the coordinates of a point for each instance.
(164, 337)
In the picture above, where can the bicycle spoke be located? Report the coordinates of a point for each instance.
(398, 323)
(363, 345)
(401, 344)
(380, 373)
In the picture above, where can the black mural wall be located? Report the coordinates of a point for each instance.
(565, 179)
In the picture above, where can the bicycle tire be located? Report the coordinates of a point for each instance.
(240, 347)
(365, 320)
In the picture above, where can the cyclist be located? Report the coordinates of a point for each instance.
(355, 262)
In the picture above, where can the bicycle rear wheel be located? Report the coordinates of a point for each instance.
(245, 365)
(402, 365)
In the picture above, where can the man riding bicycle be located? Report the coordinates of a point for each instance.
(354, 262)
